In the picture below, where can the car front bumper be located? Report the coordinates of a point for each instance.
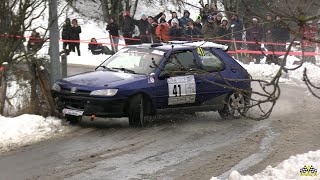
(98, 106)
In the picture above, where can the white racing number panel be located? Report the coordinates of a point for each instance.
(182, 90)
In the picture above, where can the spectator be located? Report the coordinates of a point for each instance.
(151, 30)
(142, 26)
(267, 29)
(280, 34)
(203, 16)
(35, 42)
(127, 27)
(97, 48)
(185, 19)
(113, 29)
(198, 23)
(236, 29)
(174, 16)
(175, 32)
(213, 9)
(75, 35)
(224, 31)
(162, 30)
(66, 35)
(210, 28)
(219, 19)
(254, 34)
(191, 32)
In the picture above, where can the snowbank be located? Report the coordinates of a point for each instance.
(288, 169)
(27, 129)
(267, 72)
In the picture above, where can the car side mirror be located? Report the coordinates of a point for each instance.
(164, 75)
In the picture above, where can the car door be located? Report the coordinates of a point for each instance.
(176, 85)
(210, 82)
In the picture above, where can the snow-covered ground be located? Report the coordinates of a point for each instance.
(27, 129)
(288, 169)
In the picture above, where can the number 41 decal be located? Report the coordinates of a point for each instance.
(181, 90)
(175, 92)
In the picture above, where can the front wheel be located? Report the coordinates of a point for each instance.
(235, 106)
(136, 111)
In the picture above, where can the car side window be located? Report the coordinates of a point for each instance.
(209, 61)
(183, 61)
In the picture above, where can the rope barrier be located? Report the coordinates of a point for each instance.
(306, 53)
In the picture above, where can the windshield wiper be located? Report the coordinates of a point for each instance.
(106, 68)
(125, 70)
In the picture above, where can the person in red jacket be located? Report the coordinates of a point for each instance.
(162, 31)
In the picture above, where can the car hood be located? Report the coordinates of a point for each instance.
(101, 78)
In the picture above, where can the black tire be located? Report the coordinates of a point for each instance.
(136, 111)
(73, 119)
(234, 107)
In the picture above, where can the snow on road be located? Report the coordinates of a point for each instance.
(27, 129)
(288, 169)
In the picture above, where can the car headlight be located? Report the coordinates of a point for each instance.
(104, 92)
(56, 87)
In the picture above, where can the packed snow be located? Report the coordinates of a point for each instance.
(288, 169)
(27, 129)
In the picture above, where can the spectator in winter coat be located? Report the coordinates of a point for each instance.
(35, 42)
(142, 26)
(66, 34)
(174, 16)
(203, 16)
(224, 31)
(127, 27)
(213, 9)
(210, 28)
(236, 29)
(280, 34)
(191, 32)
(175, 32)
(162, 30)
(97, 48)
(185, 19)
(113, 29)
(267, 29)
(219, 19)
(151, 30)
(255, 34)
(198, 23)
(75, 35)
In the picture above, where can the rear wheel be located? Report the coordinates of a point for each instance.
(136, 111)
(234, 107)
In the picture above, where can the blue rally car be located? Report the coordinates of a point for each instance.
(147, 79)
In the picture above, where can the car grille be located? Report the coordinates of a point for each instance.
(73, 103)
(78, 92)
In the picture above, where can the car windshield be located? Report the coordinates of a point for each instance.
(133, 60)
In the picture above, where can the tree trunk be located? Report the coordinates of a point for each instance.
(3, 90)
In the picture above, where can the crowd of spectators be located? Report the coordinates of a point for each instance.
(211, 24)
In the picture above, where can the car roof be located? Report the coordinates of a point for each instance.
(181, 45)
